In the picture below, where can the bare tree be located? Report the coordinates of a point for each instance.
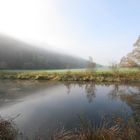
(91, 64)
(114, 66)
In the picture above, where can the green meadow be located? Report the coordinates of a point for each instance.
(96, 75)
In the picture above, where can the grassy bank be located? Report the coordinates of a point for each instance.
(101, 75)
(118, 129)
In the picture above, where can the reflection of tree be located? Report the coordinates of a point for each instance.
(90, 90)
(119, 90)
(133, 100)
(114, 92)
(129, 95)
(68, 86)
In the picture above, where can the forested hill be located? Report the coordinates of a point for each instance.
(16, 54)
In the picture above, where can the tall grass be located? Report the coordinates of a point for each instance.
(96, 76)
(118, 129)
(8, 130)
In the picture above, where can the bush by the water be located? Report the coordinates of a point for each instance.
(8, 130)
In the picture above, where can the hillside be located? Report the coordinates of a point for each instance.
(15, 54)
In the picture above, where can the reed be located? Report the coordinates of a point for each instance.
(95, 76)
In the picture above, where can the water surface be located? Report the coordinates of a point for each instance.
(40, 106)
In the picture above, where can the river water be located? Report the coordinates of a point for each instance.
(40, 107)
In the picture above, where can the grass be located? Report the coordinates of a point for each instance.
(72, 70)
(53, 70)
(105, 130)
(8, 131)
(114, 128)
(98, 75)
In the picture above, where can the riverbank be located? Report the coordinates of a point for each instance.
(116, 130)
(84, 75)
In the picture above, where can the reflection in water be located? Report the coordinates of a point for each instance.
(43, 105)
(68, 86)
(114, 92)
(90, 89)
(129, 95)
(13, 90)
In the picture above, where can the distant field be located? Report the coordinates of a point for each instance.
(98, 75)
(98, 70)
(53, 70)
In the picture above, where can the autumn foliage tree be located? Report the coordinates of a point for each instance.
(133, 58)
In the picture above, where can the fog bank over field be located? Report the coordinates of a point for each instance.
(15, 54)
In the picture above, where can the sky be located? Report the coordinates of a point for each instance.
(103, 29)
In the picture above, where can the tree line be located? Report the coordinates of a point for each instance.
(19, 55)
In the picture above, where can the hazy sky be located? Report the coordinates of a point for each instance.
(103, 29)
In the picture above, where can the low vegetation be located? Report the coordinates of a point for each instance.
(120, 75)
(8, 130)
(118, 129)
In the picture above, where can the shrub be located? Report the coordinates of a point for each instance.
(8, 130)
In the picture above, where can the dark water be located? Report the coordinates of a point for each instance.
(40, 106)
